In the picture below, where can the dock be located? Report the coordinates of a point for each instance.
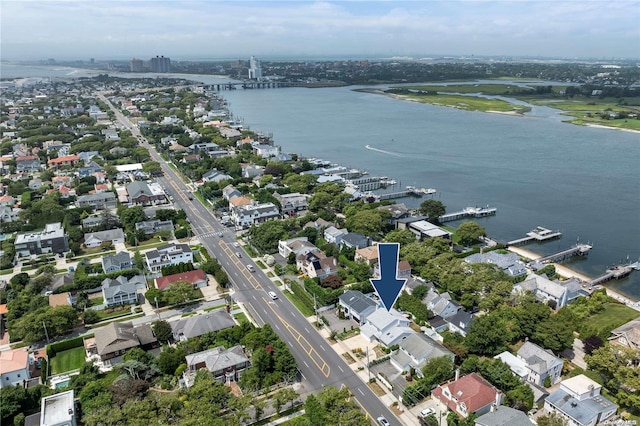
(538, 234)
(409, 191)
(615, 272)
(561, 256)
(476, 212)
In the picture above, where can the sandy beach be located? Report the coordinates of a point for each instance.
(600, 126)
(565, 272)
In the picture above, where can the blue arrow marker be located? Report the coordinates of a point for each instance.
(388, 286)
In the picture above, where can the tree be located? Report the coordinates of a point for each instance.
(551, 419)
(90, 316)
(162, 330)
(314, 411)
(265, 236)
(469, 232)
(169, 359)
(367, 222)
(433, 209)
(402, 236)
(489, 334)
(152, 167)
(592, 343)
(556, 332)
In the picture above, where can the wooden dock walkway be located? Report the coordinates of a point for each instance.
(539, 234)
(476, 212)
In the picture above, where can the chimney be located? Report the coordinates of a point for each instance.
(498, 399)
(457, 374)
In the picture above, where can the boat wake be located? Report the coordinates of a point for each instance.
(395, 154)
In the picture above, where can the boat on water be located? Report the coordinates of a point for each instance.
(420, 191)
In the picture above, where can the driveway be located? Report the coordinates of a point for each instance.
(576, 354)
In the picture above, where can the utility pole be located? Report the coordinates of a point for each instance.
(46, 333)
(157, 308)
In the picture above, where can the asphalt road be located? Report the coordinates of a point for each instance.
(319, 364)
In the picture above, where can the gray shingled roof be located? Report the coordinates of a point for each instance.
(504, 416)
(537, 358)
(356, 301)
(201, 324)
(122, 335)
(218, 358)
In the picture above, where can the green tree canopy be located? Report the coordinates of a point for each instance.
(433, 209)
(469, 232)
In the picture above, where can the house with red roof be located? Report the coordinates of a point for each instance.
(468, 394)
(197, 278)
(67, 160)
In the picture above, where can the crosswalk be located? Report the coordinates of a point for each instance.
(211, 234)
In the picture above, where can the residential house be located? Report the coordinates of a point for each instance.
(355, 240)
(9, 214)
(28, 164)
(215, 176)
(229, 133)
(292, 203)
(334, 235)
(171, 254)
(65, 161)
(245, 216)
(441, 304)
(403, 270)
(7, 201)
(387, 327)
(150, 227)
(101, 201)
(116, 338)
(541, 363)
(468, 394)
(144, 193)
(62, 299)
(627, 335)
(546, 291)
(105, 219)
(196, 326)
(196, 278)
(226, 365)
(230, 191)
(396, 211)
(239, 202)
(122, 291)
(423, 229)
(460, 322)
(356, 306)
(35, 184)
(319, 224)
(14, 367)
(252, 171)
(89, 169)
(52, 240)
(315, 264)
(266, 150)
(580, 403)
(191, 158)
(415, 351)
(95, 239)
(509, 263)
(116, 262)
(298, 246)
(58, 410)
(59, 181)
(368, 255)
(504, 416)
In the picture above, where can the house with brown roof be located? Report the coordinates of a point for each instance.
(317, 264)
(468, 394)
(14, 367)
(627, 335)
(196, 278)
(65, 161)
(116, 338)
(368, 255)
(61, 299)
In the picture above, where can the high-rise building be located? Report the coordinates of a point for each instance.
(255, 72)
(160, 64)
(136, 65)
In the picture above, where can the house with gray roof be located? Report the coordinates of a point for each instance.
(387, 327)
(503, 415)
(334, 235)
(627, 335)
(355, 240)
(89, 169)
(122, 291)
(541, 363)
(460, 322)
(215, 176)
(415, 351)
(292, 203)
(510, 263)
(299, 245)
(356, 306)
(230, 191)
(113, 236)
(440, 304)
(116, 262)
(545, 290)
(116, 338)
(144, 194)
(397, 211)
(579, 402)
(198, 325)
(150, 227)
(226, 365)
(100, 201)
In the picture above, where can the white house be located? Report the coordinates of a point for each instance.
(356, 305)
(440, 304)
(245, 216)
(171, 254)
(113, 236)
(415, 351)
(388, 327)
(544, 289)
(122, 291)
(334, 235)
(299, 245)
(579, 402)
(541, 363)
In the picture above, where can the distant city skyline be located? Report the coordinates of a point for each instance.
(72, 30)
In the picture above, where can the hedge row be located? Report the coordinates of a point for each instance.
(302, 294)
(65, 345)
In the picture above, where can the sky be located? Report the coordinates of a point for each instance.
(119, 29)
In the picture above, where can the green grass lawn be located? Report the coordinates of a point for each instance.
(241, 317)
(298, 304)
(487, 89)
(466, 102)
(68, 360)
(613, 316)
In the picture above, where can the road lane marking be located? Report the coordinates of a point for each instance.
(341, 370)
(360, 390)
(305, 363)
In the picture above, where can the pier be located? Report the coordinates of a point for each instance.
(248, 85)
(407, 192)
(615, 272)
(476, 212)
(538, 234)
(561, 256)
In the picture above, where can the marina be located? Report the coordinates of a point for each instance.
(615, 273)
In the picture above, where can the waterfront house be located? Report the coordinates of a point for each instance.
(468, 394)
(545, 290)
(356, 306)
(397, 211)
(627, 335)
(579, 402)
(226, 365)
(423, 229)
(509, 263)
